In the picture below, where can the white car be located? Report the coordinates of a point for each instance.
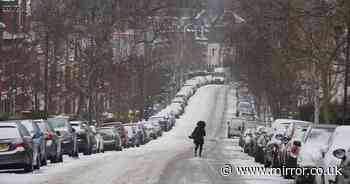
(180, 101)
(284, 123)
(309, 154)
(338, 140)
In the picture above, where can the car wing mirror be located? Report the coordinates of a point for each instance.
(340, 154)
(285, 140)
(323, 150)
(58, 133)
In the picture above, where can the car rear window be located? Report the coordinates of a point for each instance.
(28, 125)
(319, 135)
(9, 132)
(42, 126)
(58, 123)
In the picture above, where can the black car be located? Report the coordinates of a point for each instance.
(86, 138)
(53, 141)
(111, 138)
(16, 147)
(38, 141)
(68, 135)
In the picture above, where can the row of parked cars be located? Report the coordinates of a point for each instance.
(292, 143)
(31, 143)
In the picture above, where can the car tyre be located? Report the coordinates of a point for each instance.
(28, 168)
(44, 162)
(38, 163)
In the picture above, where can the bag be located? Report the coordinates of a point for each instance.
(191, 137)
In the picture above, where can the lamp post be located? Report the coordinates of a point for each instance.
(182, 51)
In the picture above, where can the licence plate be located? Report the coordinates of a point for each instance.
(4, 147)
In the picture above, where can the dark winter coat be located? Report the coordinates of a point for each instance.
(198, 135)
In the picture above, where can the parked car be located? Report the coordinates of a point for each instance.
(111, 138)
(283, 123)
(272, 148)
(261, 143)
(245, 109)
(16, 147)
(177, 109)
(247, 125)
(180, 101)
(247, 139)
(38, 141)
(68, 135)
(309, 155)
(157, 128)
(98, 147)
(53, 141)
(162, 120)
(132, 134)
(254, 142)
(337, 142)
(141, 133)
(343, 155)
(218, 80)
(291, 147)
(85, 137)
(121, 130)
(234, 127)
(150, 130)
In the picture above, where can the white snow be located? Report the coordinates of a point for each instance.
(132, 166)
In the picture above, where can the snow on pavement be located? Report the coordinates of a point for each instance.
(132, 166)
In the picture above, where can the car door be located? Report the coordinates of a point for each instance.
(27, 139)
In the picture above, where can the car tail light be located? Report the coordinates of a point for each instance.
(295, 151)
(17, 146)
(49, 136)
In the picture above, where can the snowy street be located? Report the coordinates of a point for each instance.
(167, 160)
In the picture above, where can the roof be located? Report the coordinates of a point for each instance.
(287, 121)
(343, 128)
(324, 126)
(8, 123)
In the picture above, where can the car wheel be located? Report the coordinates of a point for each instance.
(60, 158)
(266, 163)
(246, 149)
(38, 163)
(339, 179)
(120, 148)
(274, 163)
(29, 167)
(44, 162)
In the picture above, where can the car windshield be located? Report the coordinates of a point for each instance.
(77, 126)
(9, 132)
(59, 123)
(299, 133)
(28, 125)
(244, 106)
(319, 135)
(42, 126)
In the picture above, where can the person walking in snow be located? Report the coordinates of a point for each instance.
(198, 137)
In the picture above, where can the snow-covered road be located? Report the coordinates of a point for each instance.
(167, 160)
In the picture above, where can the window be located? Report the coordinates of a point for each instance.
(9, 132)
